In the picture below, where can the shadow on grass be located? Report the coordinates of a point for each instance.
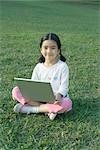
(83, 110)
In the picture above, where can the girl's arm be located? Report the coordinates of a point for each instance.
(64, 82)
(35, 75)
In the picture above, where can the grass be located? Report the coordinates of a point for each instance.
(21, 27)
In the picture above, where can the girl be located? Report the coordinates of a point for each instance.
(52, 68)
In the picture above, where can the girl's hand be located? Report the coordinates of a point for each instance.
(56, 102)
(58, 98)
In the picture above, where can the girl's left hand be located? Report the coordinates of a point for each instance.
(58, 98)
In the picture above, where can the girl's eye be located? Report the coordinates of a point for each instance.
(46, 47)
(53, 47)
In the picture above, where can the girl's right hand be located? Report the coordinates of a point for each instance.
(56, 102)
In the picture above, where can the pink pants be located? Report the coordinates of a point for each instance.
(65, 106)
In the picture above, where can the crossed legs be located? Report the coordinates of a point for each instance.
(40, 107)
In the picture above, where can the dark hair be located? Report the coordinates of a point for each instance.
(54, 37)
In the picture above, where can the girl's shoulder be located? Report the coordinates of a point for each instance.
(63, 64)
(39, 65)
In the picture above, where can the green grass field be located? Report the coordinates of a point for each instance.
(22, 23)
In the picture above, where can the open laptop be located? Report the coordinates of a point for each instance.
(35, 90)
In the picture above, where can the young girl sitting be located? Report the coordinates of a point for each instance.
(52, 68)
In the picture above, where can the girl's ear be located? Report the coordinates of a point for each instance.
(40, 49)
(59, 51)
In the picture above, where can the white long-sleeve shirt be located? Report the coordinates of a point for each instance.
(57, 75)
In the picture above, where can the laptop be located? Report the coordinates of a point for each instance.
(35, 90)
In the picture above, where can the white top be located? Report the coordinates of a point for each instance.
(57, 75)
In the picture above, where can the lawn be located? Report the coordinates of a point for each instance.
(22, 23)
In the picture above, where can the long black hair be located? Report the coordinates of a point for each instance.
(54, 37)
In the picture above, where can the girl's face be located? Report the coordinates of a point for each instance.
(50, 50)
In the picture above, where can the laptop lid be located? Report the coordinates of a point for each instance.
(35, 90)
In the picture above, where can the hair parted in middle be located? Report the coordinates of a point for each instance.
(54, 37)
